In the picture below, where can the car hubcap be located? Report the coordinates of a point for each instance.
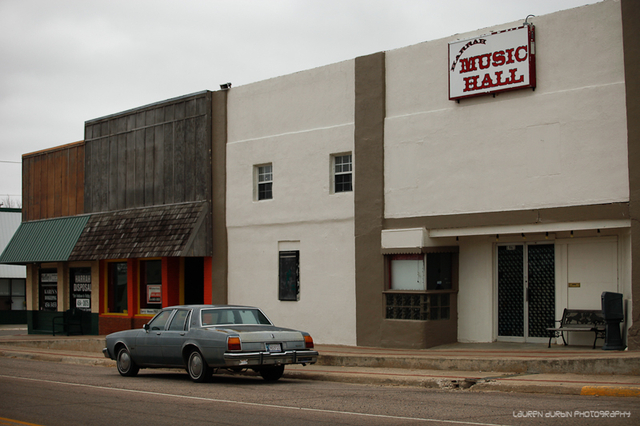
(196, 365)
(125, 361)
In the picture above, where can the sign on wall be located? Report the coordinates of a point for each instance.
(492, 63)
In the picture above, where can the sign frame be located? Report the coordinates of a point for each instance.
(493, 63)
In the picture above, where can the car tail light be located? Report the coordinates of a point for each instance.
(233, 344)
(308, 342)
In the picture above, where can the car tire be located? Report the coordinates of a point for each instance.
(272, 374)
(126, 365)
(197, 367)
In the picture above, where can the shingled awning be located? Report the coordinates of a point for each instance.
(173, 230)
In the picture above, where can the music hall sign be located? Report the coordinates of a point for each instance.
(492, 63)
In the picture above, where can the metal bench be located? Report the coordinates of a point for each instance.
(580, 320)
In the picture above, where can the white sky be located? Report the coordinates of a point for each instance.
(63, 62)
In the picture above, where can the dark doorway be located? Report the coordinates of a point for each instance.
(193, 280)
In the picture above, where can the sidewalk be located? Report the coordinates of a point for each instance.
(505, 367)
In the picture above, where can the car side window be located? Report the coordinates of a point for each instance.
(160, 320)
(179, 321)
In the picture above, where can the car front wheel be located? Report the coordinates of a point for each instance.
(198, 369)
(126, 365)
(271, 374)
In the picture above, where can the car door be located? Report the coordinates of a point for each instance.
(173, 338)
(149, 344)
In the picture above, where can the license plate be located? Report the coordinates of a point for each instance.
(274, 347)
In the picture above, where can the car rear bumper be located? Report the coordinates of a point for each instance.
(248, 359)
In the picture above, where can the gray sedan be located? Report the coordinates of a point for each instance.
(205, 338)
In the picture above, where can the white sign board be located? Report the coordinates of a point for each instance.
(492, 63)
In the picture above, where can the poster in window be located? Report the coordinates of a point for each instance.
(154, 294)
(48, 290)
(81, 288)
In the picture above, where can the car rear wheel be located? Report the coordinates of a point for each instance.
(198, 369)
(126, 365)
(271, 374)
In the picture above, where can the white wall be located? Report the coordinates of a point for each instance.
(563, 144)
(295, 123)
(476, 296)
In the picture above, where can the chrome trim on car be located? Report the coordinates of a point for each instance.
(105, 352)
(270, 358)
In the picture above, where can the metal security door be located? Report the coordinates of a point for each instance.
(526, 291)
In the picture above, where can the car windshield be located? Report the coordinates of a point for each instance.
(233, 316)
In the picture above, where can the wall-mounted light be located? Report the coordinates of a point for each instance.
(546, 236)
(526, 20)
(523, 237)
(497, 237)
(571, 234)
(225, 86)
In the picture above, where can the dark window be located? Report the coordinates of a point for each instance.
(12, 294)
(289, 275)
(438, 271)
(265, 182)
(117, 287)
(179, 321)
(150, 285)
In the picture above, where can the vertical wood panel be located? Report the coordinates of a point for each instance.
(158, 175)
(64, 183)
(178, 162)
(138, 195)
(149, 149)
(80, 184)
(203, 164)
(51, 187)
(112, 170)
(168, 168)
(190, 158)
(163, 155)
(103, 170)
(88, 182)
(72, 177)
(121, 167)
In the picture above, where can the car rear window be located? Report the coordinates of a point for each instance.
(233, 316)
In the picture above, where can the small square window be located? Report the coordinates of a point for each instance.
(264, 182)
(342, 173)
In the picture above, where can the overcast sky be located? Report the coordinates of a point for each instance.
(63, 62)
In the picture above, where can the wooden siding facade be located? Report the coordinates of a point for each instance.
(153, 155)
(53, 182)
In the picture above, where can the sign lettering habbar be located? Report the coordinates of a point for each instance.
(492, 63)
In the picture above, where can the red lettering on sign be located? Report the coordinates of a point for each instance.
(471, 83)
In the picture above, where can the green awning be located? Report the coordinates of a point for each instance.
(49, 240)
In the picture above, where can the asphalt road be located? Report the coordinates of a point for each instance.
(46, 393)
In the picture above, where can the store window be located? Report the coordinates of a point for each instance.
(48, 293)
(80, 291)
(342, 173)
(150, 286)
(420, 286)
(117, 288)
(263, 182)
(289, 275)
(13, 294)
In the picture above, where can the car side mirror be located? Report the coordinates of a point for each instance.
(146, 327)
